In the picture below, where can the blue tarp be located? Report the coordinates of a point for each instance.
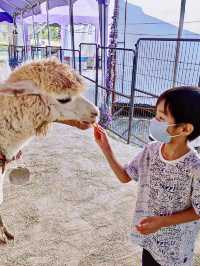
(4, 16)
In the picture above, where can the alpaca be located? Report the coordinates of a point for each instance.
(35, 95)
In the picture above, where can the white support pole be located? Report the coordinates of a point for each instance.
(71, 17)
(180, 31)
(15, 32)
(33, 22)
(103, 25)
(105, 29)
(125, 24)
(23, 37)
(22, 29)
(101, 43)
(48, 31)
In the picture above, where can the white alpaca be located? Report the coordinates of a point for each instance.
(36, 94)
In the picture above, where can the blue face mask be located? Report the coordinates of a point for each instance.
(158, 130)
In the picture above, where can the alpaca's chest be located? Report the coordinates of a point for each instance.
(11, 149)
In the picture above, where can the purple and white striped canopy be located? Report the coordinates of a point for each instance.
(27, 7)
(84, 11)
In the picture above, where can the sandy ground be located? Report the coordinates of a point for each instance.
(73, 212)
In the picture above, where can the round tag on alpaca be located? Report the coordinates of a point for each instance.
(19, 176)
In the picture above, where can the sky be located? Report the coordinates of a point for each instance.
(169, 11)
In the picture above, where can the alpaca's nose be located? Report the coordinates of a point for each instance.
(94, 114)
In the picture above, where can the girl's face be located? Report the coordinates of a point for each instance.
(180, 130)
(162, 116)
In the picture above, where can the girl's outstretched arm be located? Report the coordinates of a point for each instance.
(102, 140)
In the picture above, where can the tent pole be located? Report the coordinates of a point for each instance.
(23, 37)
(48, 30)
(71, 17)
(125, 24)
(102, 40)
(180, 31)
(105, 37)
(33, 22)
(103, 22)
(15, 33)
(22, 28)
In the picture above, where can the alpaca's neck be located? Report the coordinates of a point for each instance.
(20, 119)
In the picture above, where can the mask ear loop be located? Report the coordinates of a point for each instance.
(172, 125)
(19, 174)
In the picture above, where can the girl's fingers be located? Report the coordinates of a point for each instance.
(102, 132)
(144, 221)
(139, 229)
(98, 127)
(142, 230)
(99, 131)
(143, 225)
(97, 134)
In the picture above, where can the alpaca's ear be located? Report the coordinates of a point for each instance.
(24, 87)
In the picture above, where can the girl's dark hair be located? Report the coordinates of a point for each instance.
(183, 103)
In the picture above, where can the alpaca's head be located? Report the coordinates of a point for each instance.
(59, 86)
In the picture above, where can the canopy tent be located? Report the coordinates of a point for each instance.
(61, 16)
(16, 7)
(63, 12)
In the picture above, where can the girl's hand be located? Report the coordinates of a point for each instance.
(101, 138)
(150, 225)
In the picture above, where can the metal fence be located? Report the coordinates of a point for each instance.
(126, 88)
(19, 54)
(110, 88)
(140, 77)
(155, 72)
(116, 90)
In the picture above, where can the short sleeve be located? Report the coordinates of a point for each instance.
(132, 167)
(195, 198)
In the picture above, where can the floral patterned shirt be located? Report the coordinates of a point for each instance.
(165, 188)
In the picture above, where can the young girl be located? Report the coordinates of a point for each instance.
(165, 222)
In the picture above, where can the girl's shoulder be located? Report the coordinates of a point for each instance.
(154, 143)
(151, 149)
(153, 146)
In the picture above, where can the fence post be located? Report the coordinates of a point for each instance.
(79, 60)
(46, 51)
(61, 54)
(80, 52)
(180, 30)
(133, 84)
(97, 75)
(71, 19)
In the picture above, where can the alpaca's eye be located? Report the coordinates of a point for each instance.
(65, 100)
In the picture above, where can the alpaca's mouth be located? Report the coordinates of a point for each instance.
(87, 123)
(66, 122)
(71, 122)
(75, 123)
